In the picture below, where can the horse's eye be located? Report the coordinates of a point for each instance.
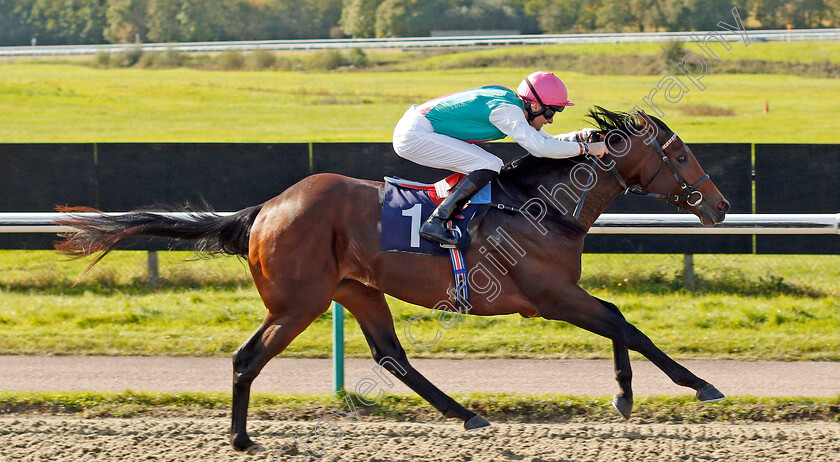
(682, 158)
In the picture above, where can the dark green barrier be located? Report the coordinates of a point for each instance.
(227, 176)
(231, 176)
(37, 177)
(797, 178)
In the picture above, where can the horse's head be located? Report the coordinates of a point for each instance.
(656, 163)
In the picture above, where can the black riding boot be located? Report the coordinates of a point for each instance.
(433, 229)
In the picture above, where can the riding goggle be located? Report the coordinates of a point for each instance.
(547, 111)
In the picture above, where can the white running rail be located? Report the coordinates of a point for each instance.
(424, 42)
(608, 223)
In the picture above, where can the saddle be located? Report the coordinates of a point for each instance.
(438, 191)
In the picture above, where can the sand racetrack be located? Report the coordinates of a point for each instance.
(41, 437)
(38, 438)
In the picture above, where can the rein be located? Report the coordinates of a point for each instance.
(678, 200)
(519, 209)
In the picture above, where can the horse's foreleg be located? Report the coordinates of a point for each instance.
(370, 309)
(623, 401)
(287, 317)
(583, 310)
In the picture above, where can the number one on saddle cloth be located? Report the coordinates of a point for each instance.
(414, 213)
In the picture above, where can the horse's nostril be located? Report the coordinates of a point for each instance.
(723, 206)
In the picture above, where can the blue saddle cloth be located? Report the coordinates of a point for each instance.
(407, 205)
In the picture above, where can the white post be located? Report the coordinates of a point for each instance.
(689, 282)
(154, 273)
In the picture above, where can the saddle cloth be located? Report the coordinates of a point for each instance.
(408, 204)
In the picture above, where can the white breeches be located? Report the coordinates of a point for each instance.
(416, 140)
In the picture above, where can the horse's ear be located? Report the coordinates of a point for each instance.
(643, 119)
(647, 124)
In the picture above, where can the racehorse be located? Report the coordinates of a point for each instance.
(318, 241)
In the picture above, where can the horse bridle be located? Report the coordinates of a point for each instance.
(679, 200)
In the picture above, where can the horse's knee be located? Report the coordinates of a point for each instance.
(395, 361)
(385, 357)
(628, 334)
(633, 338)
(384, 346)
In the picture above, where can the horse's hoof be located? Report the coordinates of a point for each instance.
(244, 444)
(709, 393)
(623, 405)
(477, 422)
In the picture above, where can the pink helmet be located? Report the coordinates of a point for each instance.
(549, 89)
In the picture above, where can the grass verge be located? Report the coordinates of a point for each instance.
(496, 406)
(70, 103)
(748, 308)
(806, 59)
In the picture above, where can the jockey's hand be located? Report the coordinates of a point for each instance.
(588, 135)
(598, 149)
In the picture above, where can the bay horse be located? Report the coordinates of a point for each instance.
(319, 239)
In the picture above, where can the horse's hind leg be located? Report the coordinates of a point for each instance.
(287, 317)
(371, 311)
(623, 401)
(583, 310)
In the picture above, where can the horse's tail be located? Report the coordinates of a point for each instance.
(96, 231)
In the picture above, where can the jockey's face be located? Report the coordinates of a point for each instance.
(540, 120)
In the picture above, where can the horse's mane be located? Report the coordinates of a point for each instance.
(624, 122)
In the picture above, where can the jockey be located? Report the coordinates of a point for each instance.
(440, 133)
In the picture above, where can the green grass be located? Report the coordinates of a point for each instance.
(61, 101)
(496, 406)
(748, 307)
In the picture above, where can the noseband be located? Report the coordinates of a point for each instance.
(689, 191)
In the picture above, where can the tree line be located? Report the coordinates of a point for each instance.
(126, 21)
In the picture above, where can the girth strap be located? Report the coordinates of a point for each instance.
(459, 273)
